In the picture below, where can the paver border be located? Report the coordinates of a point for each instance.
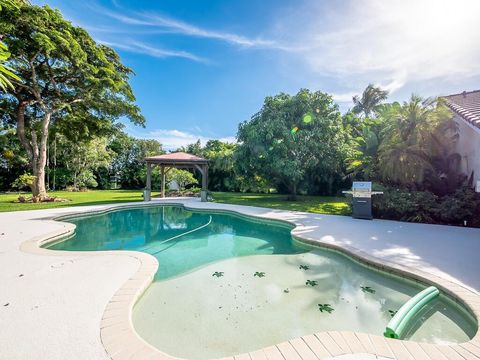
(121, 341)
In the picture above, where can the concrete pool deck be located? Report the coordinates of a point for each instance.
(77, 305)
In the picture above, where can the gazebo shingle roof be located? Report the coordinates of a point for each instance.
(466, 105)
(177, 157)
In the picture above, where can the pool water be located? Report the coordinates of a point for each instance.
(229, 284)
(181, 240)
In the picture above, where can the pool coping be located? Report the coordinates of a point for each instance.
(121, 341)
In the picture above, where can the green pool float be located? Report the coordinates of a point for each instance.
(398, 324)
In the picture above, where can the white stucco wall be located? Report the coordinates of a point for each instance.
(468, 146)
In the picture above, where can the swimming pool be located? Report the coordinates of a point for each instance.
(228, 284)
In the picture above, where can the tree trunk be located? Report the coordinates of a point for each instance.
(37, 153)
(38, 185)
(330, 185)
(293, 194)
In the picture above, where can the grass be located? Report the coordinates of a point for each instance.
(314, 204)
(91, 197)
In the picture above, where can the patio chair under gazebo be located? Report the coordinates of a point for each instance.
(179, 160)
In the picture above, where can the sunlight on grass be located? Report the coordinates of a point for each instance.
(8, 202)
(314, 204)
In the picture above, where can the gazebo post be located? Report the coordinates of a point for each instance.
(148, 188)
(163, 180)
(204, 172)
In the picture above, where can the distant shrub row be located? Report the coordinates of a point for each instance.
(424, 206)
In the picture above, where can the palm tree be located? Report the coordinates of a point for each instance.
(12, 3)
(367, 105)
(362, 162)
(6, 73)
(407, 152)
(446, 176)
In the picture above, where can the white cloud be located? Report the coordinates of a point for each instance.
(228, 139)
(141, 48)
(391, 42)
(172, 139)
(343, 97)
(191, 30)
(168, 24)
(142, 23)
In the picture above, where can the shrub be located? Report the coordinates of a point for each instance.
(399, 204)
(195, 190)
(463, 205)
(181, 177)
(255, 184)
(424, 206)
(86, 179)
(23, 181)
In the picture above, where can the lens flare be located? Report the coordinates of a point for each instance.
(307, 118)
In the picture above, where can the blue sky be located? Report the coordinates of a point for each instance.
(202, 67)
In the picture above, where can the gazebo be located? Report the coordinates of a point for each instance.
(179, 160)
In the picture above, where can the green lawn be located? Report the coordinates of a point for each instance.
(314, 204)
(91, 197)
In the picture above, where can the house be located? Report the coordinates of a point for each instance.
(466, 109)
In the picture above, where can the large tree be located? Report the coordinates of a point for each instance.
(65, 76)
(290, 136)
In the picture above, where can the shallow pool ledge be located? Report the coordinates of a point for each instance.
(121, 341)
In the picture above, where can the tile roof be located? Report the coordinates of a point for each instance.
(466, 105)
(176, 157)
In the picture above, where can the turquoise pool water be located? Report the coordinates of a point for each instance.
(229, 284)
(181, 240)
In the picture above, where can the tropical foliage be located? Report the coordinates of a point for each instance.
(415, 135)
(6, 73)
(221, 175)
